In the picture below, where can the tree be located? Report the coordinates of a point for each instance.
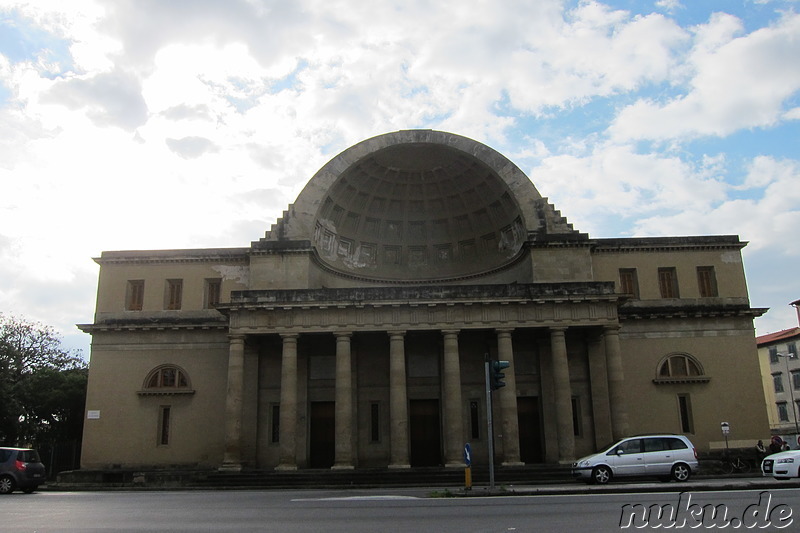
(42, 386)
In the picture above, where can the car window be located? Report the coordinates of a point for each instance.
(29, 456)
(630, 446)
(676, 444)
(655, 444)
(4, 455)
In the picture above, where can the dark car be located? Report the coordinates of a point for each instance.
(20, 468)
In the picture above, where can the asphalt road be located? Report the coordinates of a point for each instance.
(395, 510)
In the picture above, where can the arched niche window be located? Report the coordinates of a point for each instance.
(680, 368)
(167, 379)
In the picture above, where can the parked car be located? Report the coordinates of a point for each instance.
(782, 465)
(20, 468)
(663, 456)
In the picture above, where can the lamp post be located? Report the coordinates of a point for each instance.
(786, 357)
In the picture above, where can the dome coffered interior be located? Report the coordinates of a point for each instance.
(418, 211)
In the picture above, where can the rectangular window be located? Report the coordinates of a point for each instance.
(577, 427)
(773, 354)
(777, 381)
(628, 282)
(792, 350)
(796, 379)
(275, 427)
(685, 413)
(213, 291)
(474, 419)
(783, 412)
(375, 422)
(134, 299)
(174, 294)
(164, 425)
(707, 282)
(668, 282)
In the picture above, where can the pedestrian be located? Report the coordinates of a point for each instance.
(760, 449)
(775, 444)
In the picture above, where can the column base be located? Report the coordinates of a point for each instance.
(285, 468)
(398, 467)
(343, 467)
(512, 463)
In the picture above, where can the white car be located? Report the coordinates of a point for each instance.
(663, 456)
(782, 465)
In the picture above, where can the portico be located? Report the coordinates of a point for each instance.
(368, 328)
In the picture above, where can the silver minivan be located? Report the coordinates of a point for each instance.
(663, 456)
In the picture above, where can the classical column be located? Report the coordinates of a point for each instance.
(288, 407)
(232, 460)
(563, 396)
(616, 382)
(598, 378)
(508, 400)
(398, 401)
(343, 418)
(454, 433)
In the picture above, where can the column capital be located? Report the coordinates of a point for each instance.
(401, 333)
(451, 331)
(558, 329)
(289, 336)
(611, 329)
(343, 334)
(504, 330)
(236, 338)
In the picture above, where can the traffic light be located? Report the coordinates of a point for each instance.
(496, 374)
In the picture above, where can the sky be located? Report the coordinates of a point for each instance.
(151, 124)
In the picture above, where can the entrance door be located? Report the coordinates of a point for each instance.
(530, 436)
(426, 444)
(322, 435)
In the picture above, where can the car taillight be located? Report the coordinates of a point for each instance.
(695, 452)
(21, 466)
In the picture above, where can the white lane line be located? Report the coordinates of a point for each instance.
(355, 498)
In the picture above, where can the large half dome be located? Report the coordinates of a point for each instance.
(414, 205)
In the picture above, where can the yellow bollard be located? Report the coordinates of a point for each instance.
(468, 478)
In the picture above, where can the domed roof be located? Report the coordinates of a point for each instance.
(415, 205)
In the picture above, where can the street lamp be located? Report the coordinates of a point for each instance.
(788, 356)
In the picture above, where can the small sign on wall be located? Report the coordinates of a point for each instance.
(93, 415)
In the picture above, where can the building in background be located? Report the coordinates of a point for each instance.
(780, 372)
(354, 333)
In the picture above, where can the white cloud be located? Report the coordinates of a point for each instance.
(736, 83)
(768, 220)
(195, 124)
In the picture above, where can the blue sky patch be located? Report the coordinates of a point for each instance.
(21, 41)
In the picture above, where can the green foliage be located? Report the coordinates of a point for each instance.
(42, 386)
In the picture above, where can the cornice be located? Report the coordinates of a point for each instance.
(200, 255)
(667, 244)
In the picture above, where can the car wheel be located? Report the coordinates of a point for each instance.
(601, 475)
(6, 485)
(681, 472)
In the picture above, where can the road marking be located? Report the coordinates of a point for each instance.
(355, 498)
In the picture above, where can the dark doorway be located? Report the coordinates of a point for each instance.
(322, 435)
(426, 444)
(530, 431)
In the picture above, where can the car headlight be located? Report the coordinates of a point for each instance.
(785, 460)
(583, 464)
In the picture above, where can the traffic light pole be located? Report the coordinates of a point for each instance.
(489, 424)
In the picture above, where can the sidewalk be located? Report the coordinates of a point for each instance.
(698, 484)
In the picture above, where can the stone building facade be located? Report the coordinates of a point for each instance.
(354, 333)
